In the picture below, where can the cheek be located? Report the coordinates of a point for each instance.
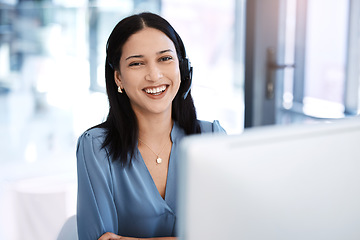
(130, 79)
(173, 74)
(177, 76)
(177, 81)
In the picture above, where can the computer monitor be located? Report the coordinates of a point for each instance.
(284, 182)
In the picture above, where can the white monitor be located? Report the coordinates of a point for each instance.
(284, 182)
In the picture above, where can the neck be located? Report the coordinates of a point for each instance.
(154, 128)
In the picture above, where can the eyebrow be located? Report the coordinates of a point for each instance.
(134, 56)
(164, 51)
(140, 56)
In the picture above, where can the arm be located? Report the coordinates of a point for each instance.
(112, 236)
(96, 212)
(216, 127)
(212, 127)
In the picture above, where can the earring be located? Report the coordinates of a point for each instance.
(119, 89)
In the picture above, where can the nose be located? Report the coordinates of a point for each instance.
(154, 73)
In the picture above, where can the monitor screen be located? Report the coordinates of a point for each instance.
(283, 182)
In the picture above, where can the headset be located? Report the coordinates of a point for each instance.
(186, 71)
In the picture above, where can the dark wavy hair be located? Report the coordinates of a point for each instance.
(121, 124)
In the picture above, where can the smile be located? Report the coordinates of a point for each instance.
(156, 90)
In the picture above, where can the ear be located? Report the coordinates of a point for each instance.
(117, 78)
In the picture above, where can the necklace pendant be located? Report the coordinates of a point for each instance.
(158, 160)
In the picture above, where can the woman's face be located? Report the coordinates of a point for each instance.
(149, 72)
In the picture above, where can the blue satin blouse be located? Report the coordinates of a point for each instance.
(125, 200)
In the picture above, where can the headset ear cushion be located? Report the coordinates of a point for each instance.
(185, 69)
(186, 73)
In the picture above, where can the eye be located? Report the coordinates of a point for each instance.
(164, 59)
(134, 64)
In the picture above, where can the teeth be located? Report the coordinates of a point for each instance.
(155, 90)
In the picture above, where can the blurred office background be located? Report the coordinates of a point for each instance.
(52, 55)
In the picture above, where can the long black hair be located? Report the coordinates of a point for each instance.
(121, 124)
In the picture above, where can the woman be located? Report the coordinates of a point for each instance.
(127, 165)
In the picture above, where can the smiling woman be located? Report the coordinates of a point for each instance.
(127, 181)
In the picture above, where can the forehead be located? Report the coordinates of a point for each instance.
(147, 41)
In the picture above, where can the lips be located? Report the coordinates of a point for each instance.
(155, 90)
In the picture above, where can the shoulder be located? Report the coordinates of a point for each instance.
(92, 136)
(90, 150)
(95, 132)
(214, 126)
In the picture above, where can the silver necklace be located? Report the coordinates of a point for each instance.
(158, 158)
